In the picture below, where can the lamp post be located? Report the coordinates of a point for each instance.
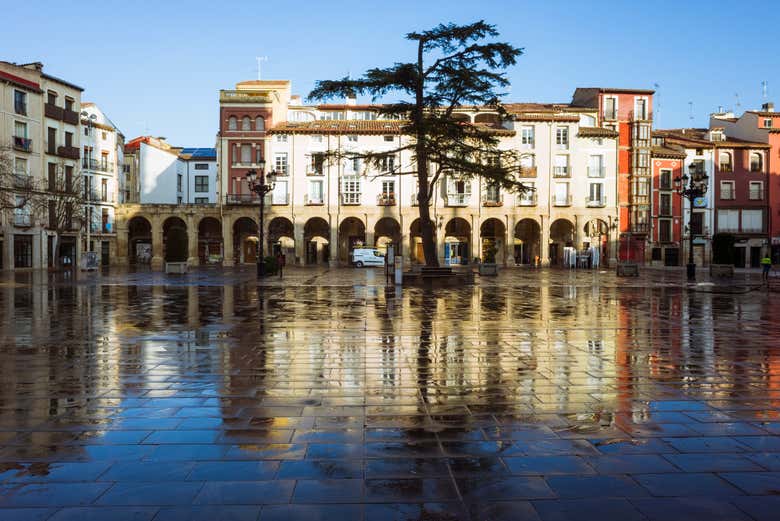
(691, 187)
(260, 184)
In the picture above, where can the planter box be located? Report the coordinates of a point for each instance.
(628, 269)
(721, 271)
(175, 267)
(489, 269)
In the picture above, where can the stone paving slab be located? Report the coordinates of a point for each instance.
(537, 394)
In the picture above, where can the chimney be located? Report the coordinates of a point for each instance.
(351, 99)
(295, 99)
(35, 66)
(768, 107)
(720, 108)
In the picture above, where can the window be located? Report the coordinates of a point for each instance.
(51, 141)
(458, 191)
(246, 154)
(201, 166)
(528, 197)
(596, 194)
(260, 123)
(697, 223)
(280, 193)
(350, 190)
(756, 162)
(104, 189)
(126, 169)
(23, 246)
(665, 179)
(355, 163)
(561, 194)
(767, 122)
(727, 190)
(492, 193)
(201, 200)
(69, 106)
(179, 178)
(201, 183)
(69, 179)
(352, 138)
(21, 212)
(104, 161)
(665, 230)
(388, 189)
(20, 129)
(665, 206)
(562, 137)
(20, 102)
(561, 168)
(246, 124)
(51, 98)
(317, 166)
(232, 123)
(699, 151)
(728, 220)
(280, 163)
(236, 149)
(756, 191)
(527, 166)
(699, 164)
(68, 139)
(527, 136)
(281, 138)
(596, 166)
(753, 221)
(724, 162)
(20, 166)
(610, 108)
(640, 109)
(86, 130)
(52, 176)
(52, 213)
(389, 139)
(178, 199)
(315, 192)
(388, 164)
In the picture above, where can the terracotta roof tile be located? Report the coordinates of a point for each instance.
(597, 132)
(667, 152)
(345, 126)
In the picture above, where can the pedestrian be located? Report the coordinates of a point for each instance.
(766, 264)
(280, 263)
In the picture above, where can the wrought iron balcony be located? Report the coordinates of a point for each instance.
(527, 199)
(640, 227)
(313, 201)
(22, 143)
(596, 202)
(562, 200)
(597, 171)
(243, 199)
(385, 199)
(94, 164)
(640, 115)
(68, 152)
(457, 199)
(561, 171)
(23, 181)
(280, 199)
(492, 200)
(22, 219)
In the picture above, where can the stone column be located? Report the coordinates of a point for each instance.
(544, 241)
(227, 242)
(8, 248)
(509, 237)
(192, 241)
(579, 222)
(334, 243)
(158, 257)
(475, 248)
(370, 235)
(300, 246)
(120, 254)
(37, 251)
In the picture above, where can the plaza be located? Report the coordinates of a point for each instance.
(540, 394)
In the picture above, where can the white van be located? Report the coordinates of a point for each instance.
(367, 257)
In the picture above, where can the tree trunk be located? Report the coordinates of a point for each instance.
(423, 190)
(428, 233)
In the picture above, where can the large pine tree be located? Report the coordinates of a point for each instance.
(455, 67)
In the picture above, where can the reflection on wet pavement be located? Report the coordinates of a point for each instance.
(538, 395)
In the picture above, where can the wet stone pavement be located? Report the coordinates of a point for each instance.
(537, 395)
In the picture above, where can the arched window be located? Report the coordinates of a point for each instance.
(259, 123)
(756, 162)
(246, 123)
(724, 160)
(232, 123)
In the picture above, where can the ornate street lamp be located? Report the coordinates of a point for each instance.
(261, 185)
(691, 187)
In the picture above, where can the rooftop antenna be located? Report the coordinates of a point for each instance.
(737, 104)
(690, 112)
(260, 59)
(764, 85)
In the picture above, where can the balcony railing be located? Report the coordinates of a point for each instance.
(243, 199)
(527, 200)
(562, 200)
(350, 198)
(385, 199)
(280, 199)
(457, 199)
(597, 171)
(492, 200)
(22, 143)
(312, 201)
(314, 171)
(70, 116)
(725, 168)
(728, 229)
(727, 195)
(596, 202)
(94, 164)
(527, 171)
(641, 115)
(640, 227)
(68, 152)
(53, 111)
(561, 171)
(756, 195)
(23, 181)
(639, 199)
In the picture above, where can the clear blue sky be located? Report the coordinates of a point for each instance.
(157, 67)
